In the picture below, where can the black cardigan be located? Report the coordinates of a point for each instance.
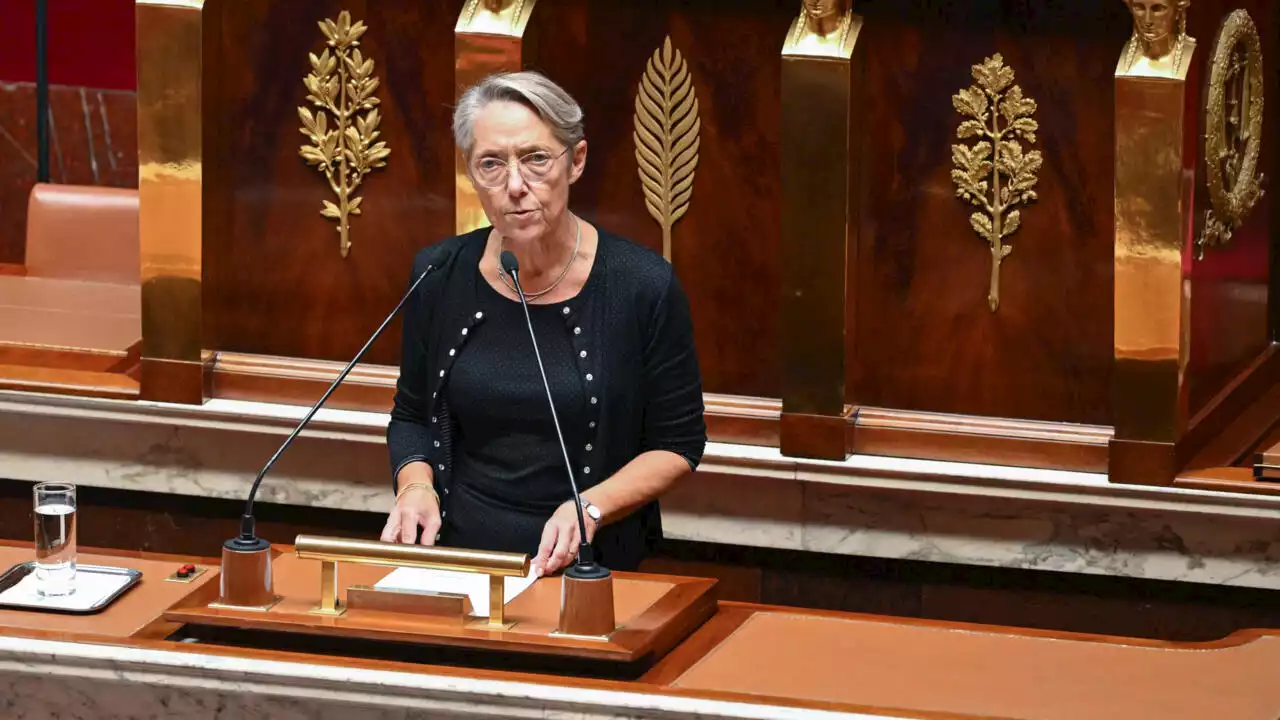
(633, 342)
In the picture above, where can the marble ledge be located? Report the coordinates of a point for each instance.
(889, 508)
(924, 477)
(47, 678)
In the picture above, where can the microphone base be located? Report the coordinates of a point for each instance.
(245, 581)
(586, 601)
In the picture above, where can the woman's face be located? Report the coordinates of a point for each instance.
(1154, 19)
(521, 210)
(821, 9)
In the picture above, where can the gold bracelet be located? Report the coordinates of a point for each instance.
(413, 485)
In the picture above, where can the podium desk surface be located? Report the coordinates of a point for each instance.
(747, 660)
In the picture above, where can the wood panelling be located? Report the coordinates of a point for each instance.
(1231, 287)
(995, 441)
(277, 283)
(726, 249)
(925, 338)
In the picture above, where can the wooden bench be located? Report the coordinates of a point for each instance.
(70, 318)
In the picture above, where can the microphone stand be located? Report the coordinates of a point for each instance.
(586, 595)
(246, 559)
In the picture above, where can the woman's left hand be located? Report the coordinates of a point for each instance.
(560, 539)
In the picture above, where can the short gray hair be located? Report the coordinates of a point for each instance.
(548, 100)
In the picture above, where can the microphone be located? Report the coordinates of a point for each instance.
(585, 568)
(246, 557)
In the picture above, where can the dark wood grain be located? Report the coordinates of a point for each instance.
(925, 338)
(726, 250)
(276, 281)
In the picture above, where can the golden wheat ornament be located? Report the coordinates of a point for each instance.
(997, 156)
(341, 86)
(666, 137)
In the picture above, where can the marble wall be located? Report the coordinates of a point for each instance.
(93, 139)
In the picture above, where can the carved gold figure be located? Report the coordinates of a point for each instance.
(999, 116)
(1159, 42)
(1233, 130)
(495, 17)
(666, 137)
(824, 28)
(346, 152)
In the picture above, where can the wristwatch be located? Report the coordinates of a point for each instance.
(592, 511)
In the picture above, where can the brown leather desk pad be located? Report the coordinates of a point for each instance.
(919, 667)
(129, 613)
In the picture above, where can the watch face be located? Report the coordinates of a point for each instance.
(592, 511)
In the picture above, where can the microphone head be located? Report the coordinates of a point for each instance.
(509, 262)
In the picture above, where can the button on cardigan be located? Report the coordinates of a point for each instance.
(632, 339)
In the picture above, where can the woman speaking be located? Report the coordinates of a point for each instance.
(475, 455)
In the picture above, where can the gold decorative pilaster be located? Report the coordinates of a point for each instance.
(667, 138)
(170, 186)
(823, 70)
(488, 39)
(1152, 226)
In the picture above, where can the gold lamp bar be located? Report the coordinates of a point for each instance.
(330, 551)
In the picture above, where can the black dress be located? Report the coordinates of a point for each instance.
(627, 337)
(510, 474)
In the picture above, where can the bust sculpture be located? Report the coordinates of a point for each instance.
(495, 17)
(1159, 42)
(825, 28)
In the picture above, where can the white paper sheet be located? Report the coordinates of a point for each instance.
(90, 589)
(473, 585)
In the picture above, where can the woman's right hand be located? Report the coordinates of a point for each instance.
(417, 507)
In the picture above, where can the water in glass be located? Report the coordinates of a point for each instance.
(55, 536)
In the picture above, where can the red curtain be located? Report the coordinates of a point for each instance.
(91, 43)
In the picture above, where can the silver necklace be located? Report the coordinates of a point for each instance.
(502, 274)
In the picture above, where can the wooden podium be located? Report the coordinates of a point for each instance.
(653, 613)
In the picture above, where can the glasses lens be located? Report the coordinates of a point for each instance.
(534, 168)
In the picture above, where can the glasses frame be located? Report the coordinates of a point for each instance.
(506, 170)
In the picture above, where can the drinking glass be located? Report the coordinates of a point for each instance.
(55, 518)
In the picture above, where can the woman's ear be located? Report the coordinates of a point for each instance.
(579, 161)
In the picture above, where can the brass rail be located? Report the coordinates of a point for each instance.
(330, 551)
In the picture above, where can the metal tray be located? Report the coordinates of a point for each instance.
(16, 573)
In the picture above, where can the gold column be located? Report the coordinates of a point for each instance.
(1153, 220)
(488, 39)
(822, 82)
(169, 49)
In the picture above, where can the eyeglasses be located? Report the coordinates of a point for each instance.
(535, 167)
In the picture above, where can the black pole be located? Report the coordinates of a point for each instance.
(42, 93)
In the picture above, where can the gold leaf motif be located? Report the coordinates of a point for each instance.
(341, 84)
(1233, 130)
(666, 138)
(995, 183)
